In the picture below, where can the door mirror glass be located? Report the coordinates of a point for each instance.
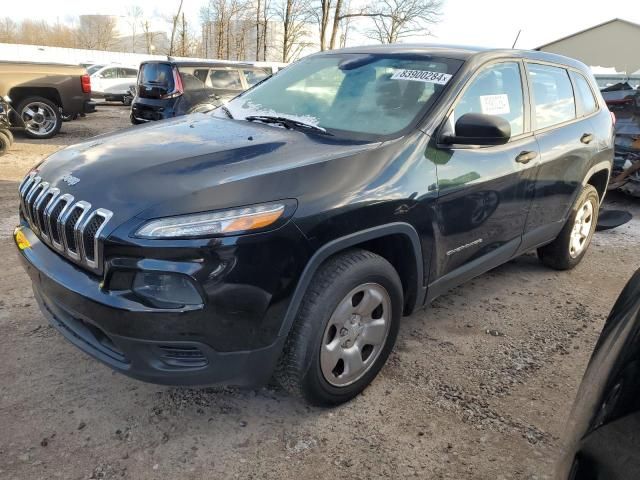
(480, 129)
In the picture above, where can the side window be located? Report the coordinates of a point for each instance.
(110, 73)
(130, 73)
(191, 82)
(225, 79)
(552, 95)
(585, 101)
(497, 90)
(254, 76)
(201, 74)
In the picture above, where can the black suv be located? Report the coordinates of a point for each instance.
(290, 231)
(167, 89)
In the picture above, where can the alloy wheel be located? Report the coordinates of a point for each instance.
(581, 229)
(39, 118)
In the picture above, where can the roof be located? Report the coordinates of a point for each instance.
(463, 53)
(460, 52)
(202, 63)
(589, 29)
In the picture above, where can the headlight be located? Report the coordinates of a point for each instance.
(6, 98)
(213, 223)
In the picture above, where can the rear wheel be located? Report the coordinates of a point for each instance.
(567, 250)
(41, 117)
(345, 329)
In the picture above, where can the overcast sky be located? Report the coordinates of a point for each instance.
(490, 23)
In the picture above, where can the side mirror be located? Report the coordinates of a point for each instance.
(480, 129)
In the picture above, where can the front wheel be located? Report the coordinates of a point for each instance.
(346, 327)
(41, 117)
(567, 250)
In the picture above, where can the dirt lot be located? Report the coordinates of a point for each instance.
(479, 385)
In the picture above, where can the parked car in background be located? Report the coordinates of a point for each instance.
(169, 89)
(42, 92)
(603, 440)
(91, 69)
(112, 82)
(291, 230)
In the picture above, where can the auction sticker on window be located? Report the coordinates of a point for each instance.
(421, 76)
(495, 104)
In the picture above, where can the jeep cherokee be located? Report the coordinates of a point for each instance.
(287, 232)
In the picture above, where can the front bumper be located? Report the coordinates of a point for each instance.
(152, 345)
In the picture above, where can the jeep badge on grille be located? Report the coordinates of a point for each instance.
(70, 179)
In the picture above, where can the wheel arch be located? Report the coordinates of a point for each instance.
(598, 177)
(386, 241)
(18, 94)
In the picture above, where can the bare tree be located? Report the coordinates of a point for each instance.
(8, 30)
(96, 32)
(175, 24)
(149, 37)
(397, 19)
(295, 16)
(134, 14)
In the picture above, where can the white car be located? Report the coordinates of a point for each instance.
(113, 81)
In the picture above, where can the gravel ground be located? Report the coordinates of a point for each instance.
(479, 385)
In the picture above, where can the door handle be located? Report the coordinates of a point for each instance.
(586, 138)
(526, 157)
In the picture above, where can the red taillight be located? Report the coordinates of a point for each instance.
(178, 89)
(613, 117)
(86, 83)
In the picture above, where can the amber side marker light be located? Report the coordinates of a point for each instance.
(21, 239)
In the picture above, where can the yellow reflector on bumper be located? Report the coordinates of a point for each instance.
(21, 239)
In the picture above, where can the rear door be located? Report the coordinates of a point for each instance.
(567, 144)
(485, 191)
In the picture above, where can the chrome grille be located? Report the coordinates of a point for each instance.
(72, 227)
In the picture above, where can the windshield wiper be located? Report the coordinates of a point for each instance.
(287, 123)
(226, 111)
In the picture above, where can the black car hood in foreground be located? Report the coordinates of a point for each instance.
(170, 165)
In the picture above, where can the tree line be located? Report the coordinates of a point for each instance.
(236, 29)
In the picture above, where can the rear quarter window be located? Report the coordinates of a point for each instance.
(552, 95)
(585, 101)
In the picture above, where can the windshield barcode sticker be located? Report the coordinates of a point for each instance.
(421, 76)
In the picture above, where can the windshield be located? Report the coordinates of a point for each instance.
(351, 94)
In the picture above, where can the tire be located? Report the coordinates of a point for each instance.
(562, 253)
(69, 118)
(328, 321)
(5, 142)
(45, 119)
(135, 121)
(7, 133)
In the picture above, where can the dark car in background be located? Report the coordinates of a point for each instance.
(604, 429)
(167, 89)
(289, 232)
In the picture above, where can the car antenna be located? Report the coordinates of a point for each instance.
(516, 40)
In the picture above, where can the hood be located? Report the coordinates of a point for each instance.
(160, 163)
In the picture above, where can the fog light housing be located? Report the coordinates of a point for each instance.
(166, 290)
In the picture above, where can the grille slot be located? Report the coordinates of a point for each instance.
(41, 206)
(89, 236)
(53, 220)
(70, 226)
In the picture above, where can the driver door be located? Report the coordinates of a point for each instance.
(484, 192)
